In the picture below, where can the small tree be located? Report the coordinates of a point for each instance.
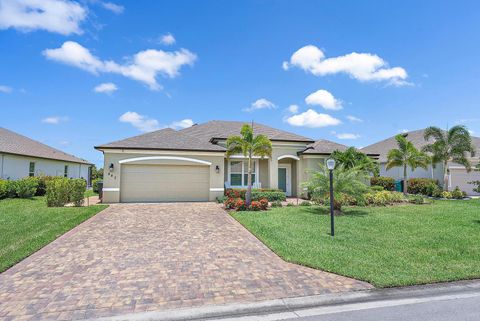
(449, 146)
(249, 145)
(406, 155)
(352, 158)
(349, 182)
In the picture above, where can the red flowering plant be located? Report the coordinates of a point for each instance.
(240, 205)
(230, 203)
(255, 206)
(263, 204)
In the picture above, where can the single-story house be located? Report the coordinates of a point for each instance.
(191, 165)
(458, 175)
(21, 157)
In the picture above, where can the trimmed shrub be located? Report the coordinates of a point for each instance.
(276, 204)
(423, 186)
(77, 188)
(290, 205)
(447, 195)
(388, 183)
(271, 196)
(377, 188)
(305, 203)
(3, 188)
(221, 199)
(95, 185)
(42, 184)
(384, 198)
(58, 192)
(457, 193)
(416, 199)
(235, 193)
(26, 187)
(263, 203)
(11, 189)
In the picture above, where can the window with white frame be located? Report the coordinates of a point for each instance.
(31, 169)
(238, 172)
(65, 171)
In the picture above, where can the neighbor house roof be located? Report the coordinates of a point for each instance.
(13, 143)
(416, 137)
(164, 139)
(220, 129)
(324, 147)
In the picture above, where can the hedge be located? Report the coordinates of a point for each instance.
(423, 186)
(26, 187)
(3, 188)
(61, 191)
(388, 183)
(271, 196)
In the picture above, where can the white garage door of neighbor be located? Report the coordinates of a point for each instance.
(164, 183)
(460, 178)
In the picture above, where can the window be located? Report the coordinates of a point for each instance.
(239, 172)
(65, 171)
(31, 169)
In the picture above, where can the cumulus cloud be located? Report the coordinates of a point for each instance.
(113, 7)
(184, 123)
(347, 136)
(312, 119)
(354, 119)
(261, 103)
(360, 66)
(106, 88)
(144, 66)
(293, 109)
(59, 16)
(325, 99)
(140, 122)
(167, 39)
(54, 120)
(5, 89)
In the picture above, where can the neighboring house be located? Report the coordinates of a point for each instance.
(21, 157)
(458, 174)
(190, 164)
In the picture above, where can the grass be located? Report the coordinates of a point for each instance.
(386, 246)
(27, 225)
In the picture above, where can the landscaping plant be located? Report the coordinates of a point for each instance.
(353, 158)
(3, 189)
(58, 192)
(249, 145)
(77, 189)
(26, 187)
(406, 155)
(449, 146)
(424, 186)
(388, 183)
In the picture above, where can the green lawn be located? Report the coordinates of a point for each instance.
(386, 246)
(27, 225)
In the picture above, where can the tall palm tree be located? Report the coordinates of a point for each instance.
(449, 146)
(249, 145)
(406, 155)
(352, 158)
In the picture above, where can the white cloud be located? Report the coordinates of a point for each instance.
(146, 124)
(184, 123)
(312, 119)
(261, 103)
(140, 122)
(54, 120)
(5, 89)
(167, 39)
(354, 119)
(293, 109)
(106, 88)
(144, 66)
(325, 99)
(59, 16)
(347, 136)
(360, 66)
(404, 131)
(115, 8)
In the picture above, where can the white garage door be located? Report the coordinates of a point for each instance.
(460, 178)
(164, 183)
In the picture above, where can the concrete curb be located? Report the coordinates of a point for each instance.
(298, 303)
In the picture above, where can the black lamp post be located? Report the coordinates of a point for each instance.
(331, 166)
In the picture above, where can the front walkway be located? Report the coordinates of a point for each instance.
(144, 257)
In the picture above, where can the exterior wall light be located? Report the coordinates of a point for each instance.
(217, 169)
(110, 168)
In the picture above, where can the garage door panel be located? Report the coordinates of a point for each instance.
(460, 178)
(164, 183)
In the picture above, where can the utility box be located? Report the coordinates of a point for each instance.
(399, 186)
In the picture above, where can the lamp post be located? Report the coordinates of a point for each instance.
(331, 166)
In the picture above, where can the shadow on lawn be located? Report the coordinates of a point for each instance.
(354, 212)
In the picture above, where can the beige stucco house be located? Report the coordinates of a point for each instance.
(458, 175)
(21, 157)
(191, 165)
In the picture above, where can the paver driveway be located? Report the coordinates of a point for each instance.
(141, 257)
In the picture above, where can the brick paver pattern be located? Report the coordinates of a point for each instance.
(143, 257)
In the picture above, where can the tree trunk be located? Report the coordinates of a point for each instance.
(405, 182)
(248, 196)
(445, 176)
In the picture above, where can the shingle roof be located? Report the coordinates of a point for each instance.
(223, 129)
(164, 139)
(323, 146)
(13, 143)
(416, 137)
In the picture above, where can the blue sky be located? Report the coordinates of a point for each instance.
(394, 65)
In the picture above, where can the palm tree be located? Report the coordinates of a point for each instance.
(352, 158)
(249, 145)
(449, 146)
(406, 155)
(349, 182)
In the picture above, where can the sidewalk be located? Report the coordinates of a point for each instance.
(292, 307)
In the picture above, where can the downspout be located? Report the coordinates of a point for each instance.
(1, 170)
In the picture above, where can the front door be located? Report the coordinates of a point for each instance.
(284, 183)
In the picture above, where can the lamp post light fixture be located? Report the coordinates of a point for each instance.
(331, 167)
